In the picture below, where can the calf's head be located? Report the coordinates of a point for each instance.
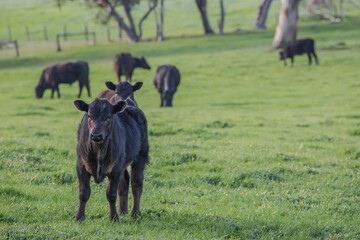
(124, 89)
(39, 91)
(40, 88)
(143, 64)
(100, 117)
(282, 55)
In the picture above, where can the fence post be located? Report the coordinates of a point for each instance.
(94, 39)
(9, 32)
(27, 33)
(120, 33)
(16, 48)
(45, 33)
(108, 34)
(65, 33)
(86, 33)
(58, 42)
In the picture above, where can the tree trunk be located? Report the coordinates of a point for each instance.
(127, 10)
(222, 18)
(260, 22)
(342, 9)
(122, 25)
(201, 4)
(286, 28)
(160, 27)
(145, 16)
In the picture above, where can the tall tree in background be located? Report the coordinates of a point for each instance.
(201, 4)
(260, 22)
(222, 18)
(129, 28)
(160, 25)
(286, 28)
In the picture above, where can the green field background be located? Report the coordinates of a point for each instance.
(251, 149)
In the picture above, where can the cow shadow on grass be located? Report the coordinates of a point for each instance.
(202, 225)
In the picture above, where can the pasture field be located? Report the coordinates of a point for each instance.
(250, 150)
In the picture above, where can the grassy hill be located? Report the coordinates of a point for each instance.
(250, 150)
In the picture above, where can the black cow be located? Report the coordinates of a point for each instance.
(124, 64)
(121, 91)
(166, 80)
(299, 47)
(110, 138)
(67, 72)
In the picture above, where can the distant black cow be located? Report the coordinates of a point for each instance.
(299, 47)
(68, 72)
(166, 80)
(110, 138)
(121, 91)
(124, 64)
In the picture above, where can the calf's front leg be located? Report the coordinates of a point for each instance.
(309, 56)
(137, 178)
(111, 196)
(52, 92)
(80, 88)
(58, 91)
(124, 192)
(84, 191)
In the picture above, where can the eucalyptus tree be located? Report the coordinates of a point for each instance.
(286, 28)
(260, 22)
(201, 4)
(108, 10)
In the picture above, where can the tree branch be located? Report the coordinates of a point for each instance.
(111, 10)
(145, 16)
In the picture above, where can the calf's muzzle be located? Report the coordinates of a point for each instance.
(96, 137)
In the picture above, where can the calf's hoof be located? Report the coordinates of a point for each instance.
(114, 218)
(135, 214)
(79, 218)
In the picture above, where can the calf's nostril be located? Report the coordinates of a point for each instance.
(96, 137)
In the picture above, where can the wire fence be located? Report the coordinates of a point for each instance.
(58, 37)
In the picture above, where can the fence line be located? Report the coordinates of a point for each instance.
(8, 43)
(65, 35)
(42, 33)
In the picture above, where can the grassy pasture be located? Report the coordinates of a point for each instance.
(250, 150)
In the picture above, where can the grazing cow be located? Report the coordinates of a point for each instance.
(110, 138)
(121, 91)
(124, 64)
(67, 72)
(166, 80)
(298, 47)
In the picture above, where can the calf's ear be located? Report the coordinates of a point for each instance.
(110, 86)
(119, 106)
(81, 105)
(137, 86)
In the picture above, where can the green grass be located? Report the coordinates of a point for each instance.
(250, 150)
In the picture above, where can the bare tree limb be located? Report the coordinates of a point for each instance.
(222, 18)
(120, 20)
(260, 22)
(145, 16)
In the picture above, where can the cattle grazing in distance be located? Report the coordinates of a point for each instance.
(299, 47)
(68, 72)
(111, 137)
(124, 64)
(121, 91)
(166, 80)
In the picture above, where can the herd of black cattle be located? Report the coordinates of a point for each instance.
(113, 132)
(166, 79)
